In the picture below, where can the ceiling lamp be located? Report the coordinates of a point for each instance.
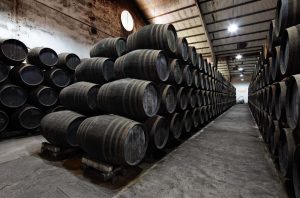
(242, 79)
(241, 69)
(239, 57)
(232, 28)
(241, 75)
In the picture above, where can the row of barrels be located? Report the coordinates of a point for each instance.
(30, 82)
(274, 94)
(139, 98)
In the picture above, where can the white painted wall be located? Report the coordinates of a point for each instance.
(241, 90)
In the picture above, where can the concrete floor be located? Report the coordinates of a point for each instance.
(226, 159)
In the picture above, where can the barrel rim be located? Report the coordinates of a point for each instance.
(20, 43)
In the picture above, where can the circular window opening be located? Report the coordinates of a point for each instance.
(127, 20)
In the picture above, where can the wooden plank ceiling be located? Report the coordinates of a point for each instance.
(251, 16)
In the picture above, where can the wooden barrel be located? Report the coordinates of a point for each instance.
(296, 171)
(109, 47)
(196, 117)
(132, 65)
(289, 50)
(202, 81)
(95, 70)
(293, 101)
(271, 100)
(176, 75)
(275, 64)
(187, 76)
(267, 74)
(12, 96)
(27, 117)
(57, 78)
(113, 139)
(193, 56)
(273, 39)
(201, 115)
(129, 97)
(158, 132)
(168, 99)
(187, 121)
(80, 97)
(274, 138)
(269, 128)
(198, 94)
(182, 99)
(56, 109)
(68, 61)
(280, 101)
(158, 36)
(43, 97)
(196, 80)
(192, 98)
(42, 57)
(26, 75)
(287, 15)
(204, 98)
(4, 71)
(176, 125)
(200, 62)
(286, 151)
(204, 114)
(60, 128)
(182, 49)
(12, 51)
(4, 120)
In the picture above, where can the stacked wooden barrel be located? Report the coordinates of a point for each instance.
(274, 91)
(139, 95)
(30, 82)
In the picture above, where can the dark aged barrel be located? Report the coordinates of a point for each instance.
(68, 61)
(95, 70)
(133, 65)
(193, 56)
(196, 80)
(57, 78)
(176, 125)
(192, 98)
(113, 139)
(274, 138)
(158, 131)
(154, 36)
(202, 115)
(182, 99)
(176, 75)
(296, 171)
(280, 101)
(188, 121)
(12, 51)
(12, 96)
(269, 128)
(275, 64)
(293, 101)
(4, 71)
(182, 49)
(202, 81)
(80, 97)
(290, 50)
(42, 57)
(109, 47)
(196, 117)
(129, 97)
(26, 75)
(204, 98)
(60, 128)
(168, 101)
(273, 39)
(286, 151)
(4, 120)
(27, 117)
(43, 97)
(200, 62)
(287, 15)
(271, 102)
(187, 76)
(56, 109)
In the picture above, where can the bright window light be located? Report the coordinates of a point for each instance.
(241, 75)
(127, 20)
(232, 28)
(239, 56)
(241, 69)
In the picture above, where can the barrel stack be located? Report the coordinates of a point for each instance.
(134, 96)
(274, 90)
(30, 82)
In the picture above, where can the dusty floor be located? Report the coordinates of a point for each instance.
(226, 159)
